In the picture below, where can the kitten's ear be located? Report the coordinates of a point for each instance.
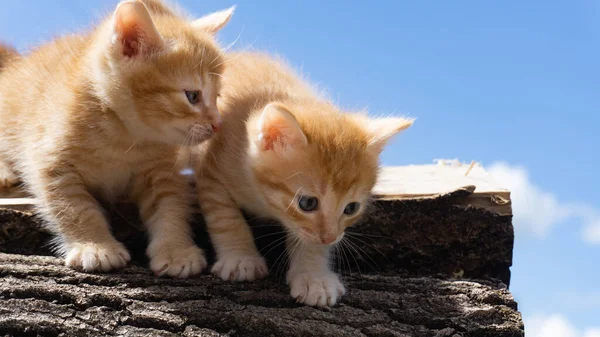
(134, 30)
(279, 130)
(381, 130)
(213, 22)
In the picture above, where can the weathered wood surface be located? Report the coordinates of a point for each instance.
(426, 236)
(41, 297)
(395, 183)
(430, 181)
(426, 266)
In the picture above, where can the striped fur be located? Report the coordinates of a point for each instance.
(99, 116)
(296, 144)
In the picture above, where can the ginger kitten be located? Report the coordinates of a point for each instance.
(100, 115)
(285, 153)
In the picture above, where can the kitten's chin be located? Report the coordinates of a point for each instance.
(197, 141)
(190, 136)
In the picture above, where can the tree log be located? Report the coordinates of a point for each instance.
(41, 297)
(419, 266)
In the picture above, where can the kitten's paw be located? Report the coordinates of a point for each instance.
(316, 288)
(240, 267)
(92, 257)
(176, 261)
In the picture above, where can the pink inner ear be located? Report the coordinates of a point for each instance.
(279, 129)
(135, 29)
(269, 137)
(131, 40)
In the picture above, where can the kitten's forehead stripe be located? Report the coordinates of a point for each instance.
(341, 147)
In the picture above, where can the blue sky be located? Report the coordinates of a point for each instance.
(513, 85)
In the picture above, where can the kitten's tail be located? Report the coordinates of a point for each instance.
(7, 54)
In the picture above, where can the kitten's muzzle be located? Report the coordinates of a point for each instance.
(202, 131)
(327, 239)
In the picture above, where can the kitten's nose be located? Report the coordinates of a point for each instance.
(216, 126)
(328, 238)
(214, 116)
(215, 120)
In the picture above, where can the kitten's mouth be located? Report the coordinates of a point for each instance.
(199, 132)
(316, 240)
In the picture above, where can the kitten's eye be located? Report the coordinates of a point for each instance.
(193, 96)
(351, 208)
(308, 204)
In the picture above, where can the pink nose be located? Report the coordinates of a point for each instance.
(328, 238)
(216, 126)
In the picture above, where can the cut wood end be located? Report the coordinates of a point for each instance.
(440, 178)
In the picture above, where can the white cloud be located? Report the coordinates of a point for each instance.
(549, 326)
(556, 326)
(594, 332)
(591, 232)
(536, 210)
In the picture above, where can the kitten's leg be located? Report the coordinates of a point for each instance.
(237, 256)
(163, 199)
(7, 176)
(310, 277)
(85, 238)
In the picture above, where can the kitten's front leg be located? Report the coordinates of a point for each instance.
(84, 234)
(310, 277)
(237, 256)
(163, 200)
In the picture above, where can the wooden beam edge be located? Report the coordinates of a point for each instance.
(498, 203)
(413, 182)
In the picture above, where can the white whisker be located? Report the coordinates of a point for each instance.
(364, 254)
(293, 199)
(131, 147)
(354, 258)
(278, 241)
(216, 74)
(293, 175)
(232, 43)
(346, 259)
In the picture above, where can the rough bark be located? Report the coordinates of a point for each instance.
(426, 236)
(428, 267)
(39, 296)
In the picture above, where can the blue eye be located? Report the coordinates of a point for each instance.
(351, 208)
(308, 204)
(193, 96)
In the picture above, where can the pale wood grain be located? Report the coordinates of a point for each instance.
(395, 182)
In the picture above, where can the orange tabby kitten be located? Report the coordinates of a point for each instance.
(100, 115)
(302, 161)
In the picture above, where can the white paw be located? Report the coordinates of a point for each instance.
(316, 288)
(176, 261)
(92, 257)
(239, 267)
